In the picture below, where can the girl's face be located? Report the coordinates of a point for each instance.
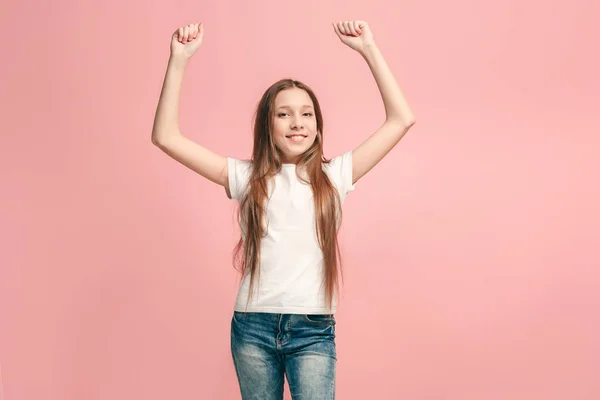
(294, 123)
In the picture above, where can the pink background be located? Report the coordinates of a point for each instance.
(471, 252)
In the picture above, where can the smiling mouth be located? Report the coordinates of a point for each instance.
(296, 138)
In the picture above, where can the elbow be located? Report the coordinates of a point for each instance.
(155, 140)
(409, 120)
(159, 138)
(402, 123)
(160, 142)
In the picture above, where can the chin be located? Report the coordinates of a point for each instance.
(292, 155)
(292, 151)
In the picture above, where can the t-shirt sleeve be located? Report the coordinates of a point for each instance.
(340, 172)
(238, 175)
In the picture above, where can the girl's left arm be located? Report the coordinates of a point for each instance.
(399, 117)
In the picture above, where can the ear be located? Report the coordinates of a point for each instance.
(319, 137)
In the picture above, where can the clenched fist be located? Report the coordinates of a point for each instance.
(187, 40)
(355, 34)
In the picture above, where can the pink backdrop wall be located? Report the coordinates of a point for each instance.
(471, 251)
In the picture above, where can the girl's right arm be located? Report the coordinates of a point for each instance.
(165, 132)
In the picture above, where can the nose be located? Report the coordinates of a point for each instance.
(297, 124)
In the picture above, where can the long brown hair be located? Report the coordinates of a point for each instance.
(266, 163)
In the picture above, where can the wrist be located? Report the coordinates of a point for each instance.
(178, 59)
(368, 49)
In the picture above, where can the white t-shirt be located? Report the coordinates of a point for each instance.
(292, 278)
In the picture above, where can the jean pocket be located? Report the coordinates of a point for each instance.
(319, 319)
(238, 316)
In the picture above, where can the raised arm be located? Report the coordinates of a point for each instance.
(399, 117)
(165, 132)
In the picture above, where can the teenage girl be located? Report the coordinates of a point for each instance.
(290, 199)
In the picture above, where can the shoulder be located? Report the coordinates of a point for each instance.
(337, 164)
(339, 170)
(238, 175)
(239, 165)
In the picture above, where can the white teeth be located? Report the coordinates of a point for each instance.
(297, 138)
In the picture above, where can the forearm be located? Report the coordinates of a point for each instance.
(396, 106)
(166, 119)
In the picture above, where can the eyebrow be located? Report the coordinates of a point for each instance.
(288, 107)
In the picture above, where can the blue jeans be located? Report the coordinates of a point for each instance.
(267, 346)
